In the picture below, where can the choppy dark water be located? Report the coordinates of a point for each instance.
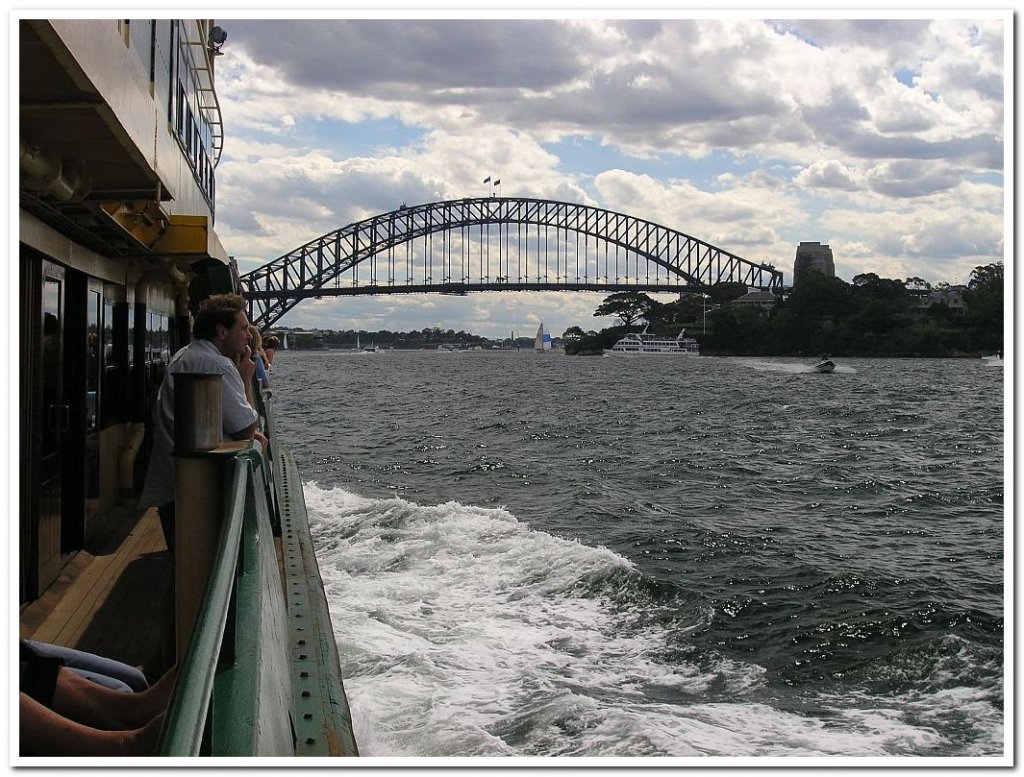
(539, 555)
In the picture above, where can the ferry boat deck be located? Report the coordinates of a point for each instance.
(115, 579)
(121, 133)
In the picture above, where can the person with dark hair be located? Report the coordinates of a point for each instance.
(221, 332)
(270, 344)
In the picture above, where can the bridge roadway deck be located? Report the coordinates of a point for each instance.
(460, 289)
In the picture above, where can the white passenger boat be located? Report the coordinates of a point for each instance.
(643, 344)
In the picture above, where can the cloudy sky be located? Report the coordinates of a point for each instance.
(883, 138)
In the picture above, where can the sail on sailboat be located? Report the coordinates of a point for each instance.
(543, 341)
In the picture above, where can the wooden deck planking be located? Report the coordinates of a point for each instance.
(89, 591)
(113, 598)
(68, 621)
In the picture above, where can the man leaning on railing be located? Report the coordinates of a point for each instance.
(221, 331)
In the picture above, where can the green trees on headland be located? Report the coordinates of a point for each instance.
(872, 316)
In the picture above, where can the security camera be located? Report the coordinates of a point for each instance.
(216, 38)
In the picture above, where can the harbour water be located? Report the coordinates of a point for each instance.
(537, 555)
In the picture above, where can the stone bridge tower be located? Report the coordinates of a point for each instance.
(813, 257)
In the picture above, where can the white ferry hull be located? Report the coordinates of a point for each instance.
(644, 344)
(613, 352)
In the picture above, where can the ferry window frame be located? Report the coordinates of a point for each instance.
(94, 310)
(156, 350)
(115, 350)
(130, 337)
(189, 126)
(158, 338)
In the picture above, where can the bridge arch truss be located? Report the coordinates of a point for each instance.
(495, 244)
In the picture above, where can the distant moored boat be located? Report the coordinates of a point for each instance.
(644, 344)
(543, 340)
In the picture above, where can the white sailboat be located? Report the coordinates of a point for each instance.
(543, 341)
(371, 348)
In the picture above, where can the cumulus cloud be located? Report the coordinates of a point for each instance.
(410, 60)
(712, 81)
(912, 177)
(884, 34)
(738, 218)
(830, 174)
(883, 137)
(936, 238)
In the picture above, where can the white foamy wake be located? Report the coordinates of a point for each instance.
(793, 368)
(463, 632)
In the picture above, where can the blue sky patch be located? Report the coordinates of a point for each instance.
(906, 76)
(361, 139)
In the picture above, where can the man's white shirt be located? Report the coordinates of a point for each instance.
(236, 414)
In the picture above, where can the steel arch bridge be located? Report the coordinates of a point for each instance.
(495, 244)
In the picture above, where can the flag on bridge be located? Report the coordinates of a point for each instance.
(497, 182)
(487, 179)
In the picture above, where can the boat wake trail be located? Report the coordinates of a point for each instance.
(794, 368)
(464, 632)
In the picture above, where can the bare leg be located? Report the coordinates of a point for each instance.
(43, 732)
(103, 708)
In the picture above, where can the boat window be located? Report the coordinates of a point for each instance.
(131, 336)
(157, 349)
(114, 344)
(157, 339)
(191, 115)
(52, 342)
(93, 355)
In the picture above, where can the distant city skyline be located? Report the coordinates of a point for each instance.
(883, 138)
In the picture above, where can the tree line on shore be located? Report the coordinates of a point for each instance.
(416, 339)
(872, 316)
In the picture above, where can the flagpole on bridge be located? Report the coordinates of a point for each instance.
(489, 188)
(497, 185)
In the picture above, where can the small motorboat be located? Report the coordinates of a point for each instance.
(824, 365)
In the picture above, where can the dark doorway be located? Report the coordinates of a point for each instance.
(60, 356)
(44, 421)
